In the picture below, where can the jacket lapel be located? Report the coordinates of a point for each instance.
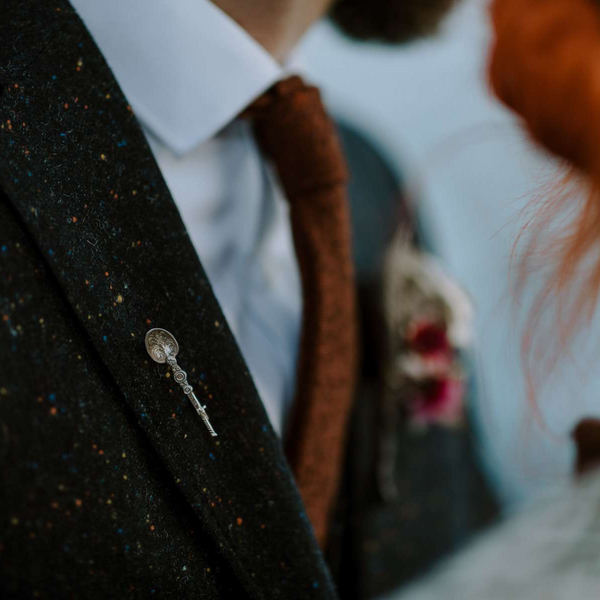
(76, 166)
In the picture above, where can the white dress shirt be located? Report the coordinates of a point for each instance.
(188, 70)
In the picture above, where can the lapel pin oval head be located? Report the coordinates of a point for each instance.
(162, 347)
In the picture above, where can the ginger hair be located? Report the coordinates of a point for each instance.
(545, 66)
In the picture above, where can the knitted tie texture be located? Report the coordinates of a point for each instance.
(295, 132)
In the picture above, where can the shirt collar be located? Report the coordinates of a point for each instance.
(186, 67)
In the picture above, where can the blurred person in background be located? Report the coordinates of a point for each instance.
(136, 140)
(550, 548)
(544, 67)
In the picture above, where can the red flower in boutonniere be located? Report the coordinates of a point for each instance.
(432, 366)
(428, 339)
(440, 401)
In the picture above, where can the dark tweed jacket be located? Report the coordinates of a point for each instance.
(110, 486)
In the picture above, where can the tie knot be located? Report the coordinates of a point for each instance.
(294, 130)
(278, 92)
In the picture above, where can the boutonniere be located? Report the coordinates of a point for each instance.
(429, 323)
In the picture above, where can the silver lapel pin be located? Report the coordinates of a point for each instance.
(163, 348)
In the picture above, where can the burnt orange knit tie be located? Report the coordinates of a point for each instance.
(296, 134)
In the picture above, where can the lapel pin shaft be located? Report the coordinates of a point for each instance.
(163, 348)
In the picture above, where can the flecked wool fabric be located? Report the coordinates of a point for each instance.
(296, 133)
(110, 484)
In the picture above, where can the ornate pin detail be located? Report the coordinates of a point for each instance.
(163, 348)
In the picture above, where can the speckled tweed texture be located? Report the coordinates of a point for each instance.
(111, 486)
